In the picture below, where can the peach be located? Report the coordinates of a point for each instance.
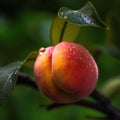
(65, 73)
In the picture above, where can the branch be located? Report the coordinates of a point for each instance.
(100, 104)
(24, 79)
(105, 103)
(84, 103)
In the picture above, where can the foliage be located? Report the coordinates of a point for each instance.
(27, 28)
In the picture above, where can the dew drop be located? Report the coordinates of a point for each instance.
(9, 78)
(61, 13)
(65, 17)
(74, 47)
(89, 64)
(74, 53)
(71, 49)
(16, 72)
(80, 58)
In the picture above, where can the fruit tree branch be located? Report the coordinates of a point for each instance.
(100, 103)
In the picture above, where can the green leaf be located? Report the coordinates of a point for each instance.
(61, 30)
(111, 88)
(9, 74)
(29, 61)
(8, 77)
(83, 17)
(66, 25)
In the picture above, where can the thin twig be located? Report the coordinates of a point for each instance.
(84, 103)
(63, 31)
(100, 104)
(105, 103)
(24, 79)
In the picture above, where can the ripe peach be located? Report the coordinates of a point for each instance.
(66, 72)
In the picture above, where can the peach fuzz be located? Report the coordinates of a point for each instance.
(65, 73)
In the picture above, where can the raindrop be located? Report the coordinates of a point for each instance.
(9, 78)
(71, 49)
(65, 17)
(74, 53)
(61, 14)
(89, 64)
(80, 58)
(16, 72)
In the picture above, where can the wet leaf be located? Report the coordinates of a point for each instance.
(66, 25)
(8, 78)
(9, 74)
(82, 17)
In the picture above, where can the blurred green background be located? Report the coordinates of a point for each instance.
(25, 26)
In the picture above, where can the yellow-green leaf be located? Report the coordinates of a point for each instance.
(63, 31)
(66, 25)
(111, 88)
(29, 61)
